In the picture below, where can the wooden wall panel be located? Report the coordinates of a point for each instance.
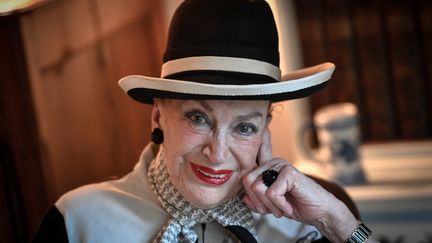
(78, 49)
(313, 36)
(130, 51)
(339, 41)
(22, 182)
(424, 23)
(383, 62)
(378, 120)
(64, 121)
(408, 81)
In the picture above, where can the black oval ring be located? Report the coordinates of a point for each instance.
(269, 176)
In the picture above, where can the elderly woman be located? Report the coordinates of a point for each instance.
(210, 164)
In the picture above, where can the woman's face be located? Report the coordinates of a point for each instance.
(210, 145)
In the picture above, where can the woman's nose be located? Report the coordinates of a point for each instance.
(217, 148)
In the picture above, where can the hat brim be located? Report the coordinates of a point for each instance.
(296, 84)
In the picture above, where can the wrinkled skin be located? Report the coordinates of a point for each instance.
(203, 133)
(234, 136)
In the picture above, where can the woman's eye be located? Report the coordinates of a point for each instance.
(247, 129)
(197, 118)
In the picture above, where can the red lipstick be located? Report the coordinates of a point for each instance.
(210, 176)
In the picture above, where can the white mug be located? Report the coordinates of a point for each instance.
(338, 133)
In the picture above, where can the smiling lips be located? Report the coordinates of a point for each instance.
(210, 176)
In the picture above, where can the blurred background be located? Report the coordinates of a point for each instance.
(64, 121)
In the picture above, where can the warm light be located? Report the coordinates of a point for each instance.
(8, 6)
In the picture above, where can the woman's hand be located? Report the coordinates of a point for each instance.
(296, 196)
(293, 194)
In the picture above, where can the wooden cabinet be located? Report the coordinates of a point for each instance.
(64, 121)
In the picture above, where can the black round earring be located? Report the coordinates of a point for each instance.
(157, 136)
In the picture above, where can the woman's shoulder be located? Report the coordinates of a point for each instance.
(122, 193)
(111, 211)
(91, 194)
(129, 190)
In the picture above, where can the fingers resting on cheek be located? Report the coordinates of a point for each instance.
(251, 198)
(272, 199)
(262, 199)
(265, 152)
(278, 191)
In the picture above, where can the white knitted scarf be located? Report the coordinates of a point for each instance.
(184, 215)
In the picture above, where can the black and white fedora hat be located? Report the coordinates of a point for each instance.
(225, 49)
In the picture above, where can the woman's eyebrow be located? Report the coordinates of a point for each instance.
(205, 105)
(255, 114)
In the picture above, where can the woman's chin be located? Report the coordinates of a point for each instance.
(205, 198)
